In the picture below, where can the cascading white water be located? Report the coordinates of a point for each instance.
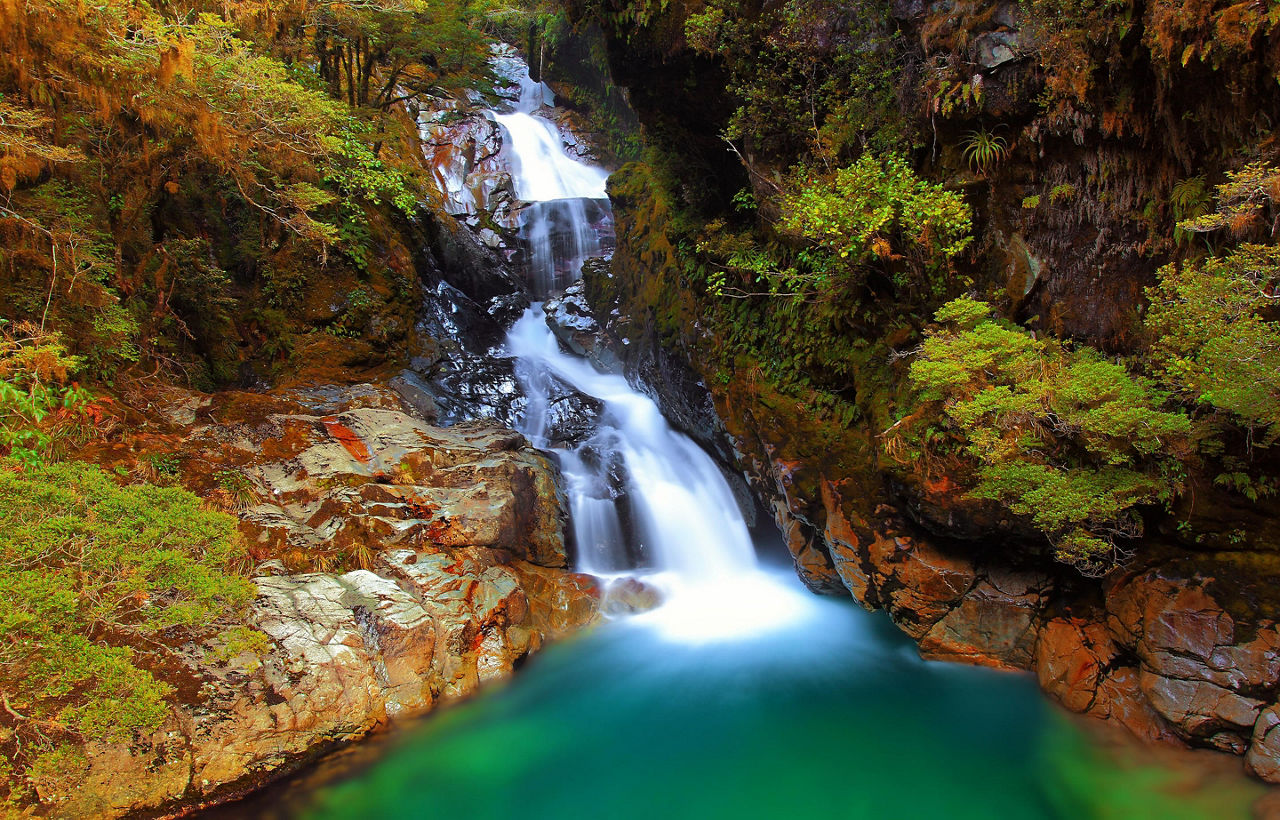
(562, 224)
(681, 504)
(685, 520)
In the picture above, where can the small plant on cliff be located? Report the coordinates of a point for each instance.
(983, 150)
(37, 397)
(95, 579)
(236, 488)
(1189, 199)
(1067, 440)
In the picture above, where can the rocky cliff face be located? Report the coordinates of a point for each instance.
(400, 566)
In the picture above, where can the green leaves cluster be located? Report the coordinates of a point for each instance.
(1216, 329)
(34, 389)
(94, 578)
(877, 207)
(1070, 441)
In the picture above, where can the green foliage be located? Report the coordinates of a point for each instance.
(92, 576)
(1063, 437)
(165, 465)
(163, 163)
(356, 313)
(983, 150)
(35, 393)
(1216, 336)
(1242, 200)
(238, 487)
(1189, 199)
(357, 172)
(874, 209)
(1062, 193)
(240, 639)
(832, 95)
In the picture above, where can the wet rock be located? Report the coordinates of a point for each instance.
(995, 48)
(1008, 15)
(627, 596)
(1213, 689)
(1071, 657)
(179, 407)
(1198, 708)
(1263, 757)
(571, 320)
(920, 584)
(994, 624)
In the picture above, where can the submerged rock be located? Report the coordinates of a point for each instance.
(627, 596)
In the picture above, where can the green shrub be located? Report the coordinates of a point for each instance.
(95, 579)
(1216, 335)
(845, 213)
(37, 396)
(1062, 437)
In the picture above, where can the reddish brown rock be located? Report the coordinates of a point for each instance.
(844, 544)
(922, 585)
(1071, 657)
(993, 625)
(462, 531)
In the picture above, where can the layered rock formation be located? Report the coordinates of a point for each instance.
(453, 546)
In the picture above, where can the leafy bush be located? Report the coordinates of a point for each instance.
(873, 213)
(95, 577)
(36, 394)
(1216, 333)
(1062, 437)
(876, 199)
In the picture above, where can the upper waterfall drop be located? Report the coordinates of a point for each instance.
(566, 219)
(541, 169)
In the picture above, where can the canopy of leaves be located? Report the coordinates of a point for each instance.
(131, 130)
(873, 214)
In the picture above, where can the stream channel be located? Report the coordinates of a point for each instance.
(742, 695)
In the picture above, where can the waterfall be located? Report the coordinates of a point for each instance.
(681, 504)
(644, 499)
(567, 219)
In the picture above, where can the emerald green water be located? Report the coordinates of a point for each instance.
(832, 717)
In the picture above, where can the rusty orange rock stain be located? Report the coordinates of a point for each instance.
(349, 440)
